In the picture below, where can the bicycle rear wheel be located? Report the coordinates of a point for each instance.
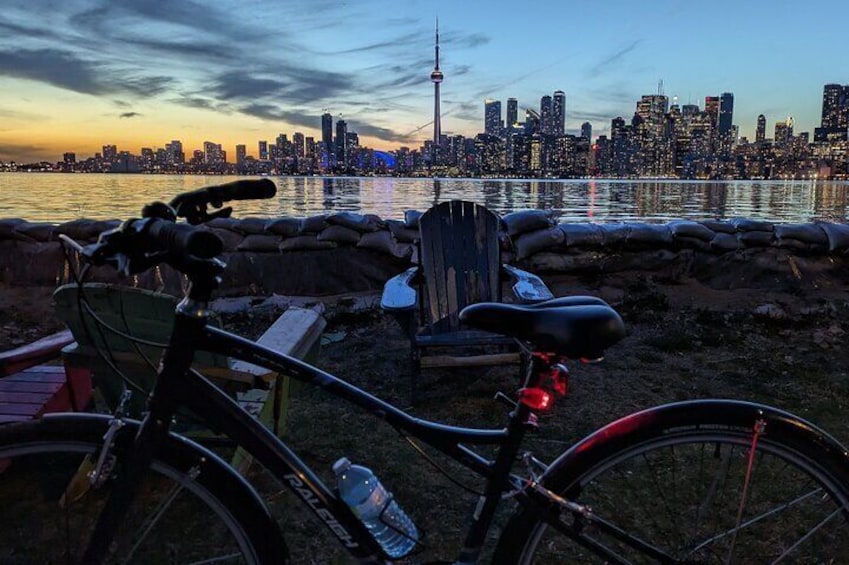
(698, 482)
(190, 508)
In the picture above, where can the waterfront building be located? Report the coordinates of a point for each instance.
(726, 114)
(341, 143)
(587, 131)
(110, 153)
(760, 133)
(241, 154)
(712, 110)
(546, 116)
(835, 114)
(492, 124)
(174, 155)
(558, 108)
(512, 113)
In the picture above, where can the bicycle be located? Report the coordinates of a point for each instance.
(699, 481)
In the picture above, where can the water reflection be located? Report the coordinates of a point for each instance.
(62, 197)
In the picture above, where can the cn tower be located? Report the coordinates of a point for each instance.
(436, 76)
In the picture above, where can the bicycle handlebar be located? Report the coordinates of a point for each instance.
(192, 205)
(139, 244)
(183, 239)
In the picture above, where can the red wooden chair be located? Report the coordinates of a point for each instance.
(29, 388)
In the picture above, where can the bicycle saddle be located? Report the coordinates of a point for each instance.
(579, 327)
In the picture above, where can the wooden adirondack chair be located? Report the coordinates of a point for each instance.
(459, 265)
(149, 316)
(31, 385)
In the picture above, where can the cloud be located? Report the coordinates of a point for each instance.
(382, 133)
(129, 115)
(274, 113)
(610, 61)
(65, 70)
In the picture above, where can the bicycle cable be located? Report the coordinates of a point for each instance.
(83, 304)
(416, 447)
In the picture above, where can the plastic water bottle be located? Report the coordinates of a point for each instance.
(374, 505)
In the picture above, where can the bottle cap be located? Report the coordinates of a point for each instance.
(341, 465)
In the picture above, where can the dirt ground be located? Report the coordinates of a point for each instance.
(684, 340)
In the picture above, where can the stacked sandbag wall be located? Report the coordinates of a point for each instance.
(346, 252)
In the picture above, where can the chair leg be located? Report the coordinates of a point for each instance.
(415, 373)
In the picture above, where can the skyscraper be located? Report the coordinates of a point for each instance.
(546, 115)
(241, 154)
(341, 143)
(835, 113)
(492, 117)
(512, 112)
(327, 131)
(436, 76)
(712, 109)
(587, 131)
(726, 113)
(263, 150)
(760, 133)
(558, 108)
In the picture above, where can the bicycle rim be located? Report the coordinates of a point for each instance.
(174, 519)
(704, 497)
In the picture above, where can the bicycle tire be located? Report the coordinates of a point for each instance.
(640, 475)
(191, 506)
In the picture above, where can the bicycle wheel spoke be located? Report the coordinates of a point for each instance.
(801, 540)
(754, 520)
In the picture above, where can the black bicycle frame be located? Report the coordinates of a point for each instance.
(179, 386)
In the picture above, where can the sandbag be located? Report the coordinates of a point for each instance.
(748, 224)
(687, 228)
(757, 238)
(724, 242)
(263, 243)
(384, 242)
(82, 229)
(838, 236)
(223, 223)
(251, 225)
(719, 226)
(683, 242)
(353, 221)
(313, 224)
(339, 234)
(285, 226)
(615, 235)
(305, 243)
(582, 235)
(524, 221)
(35, 231)
(411, 219)
(533, 242)
(231, 239)
(401, 232)
(649, 234)
(806, 233)
(7, 227)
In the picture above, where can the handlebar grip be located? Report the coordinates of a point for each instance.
(243, 190)
(183, 239)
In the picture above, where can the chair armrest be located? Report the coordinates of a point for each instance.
(527, 287)
(399, 293)
(26, 356)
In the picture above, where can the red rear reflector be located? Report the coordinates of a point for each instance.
(535, 398)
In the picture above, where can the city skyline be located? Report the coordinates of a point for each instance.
(71, 82)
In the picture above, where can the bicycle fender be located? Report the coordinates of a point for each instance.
(681, 417)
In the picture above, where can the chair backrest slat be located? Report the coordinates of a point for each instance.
(460, 260)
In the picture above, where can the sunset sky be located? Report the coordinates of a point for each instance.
(78, 74)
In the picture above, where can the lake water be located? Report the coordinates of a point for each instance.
(54, 197)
